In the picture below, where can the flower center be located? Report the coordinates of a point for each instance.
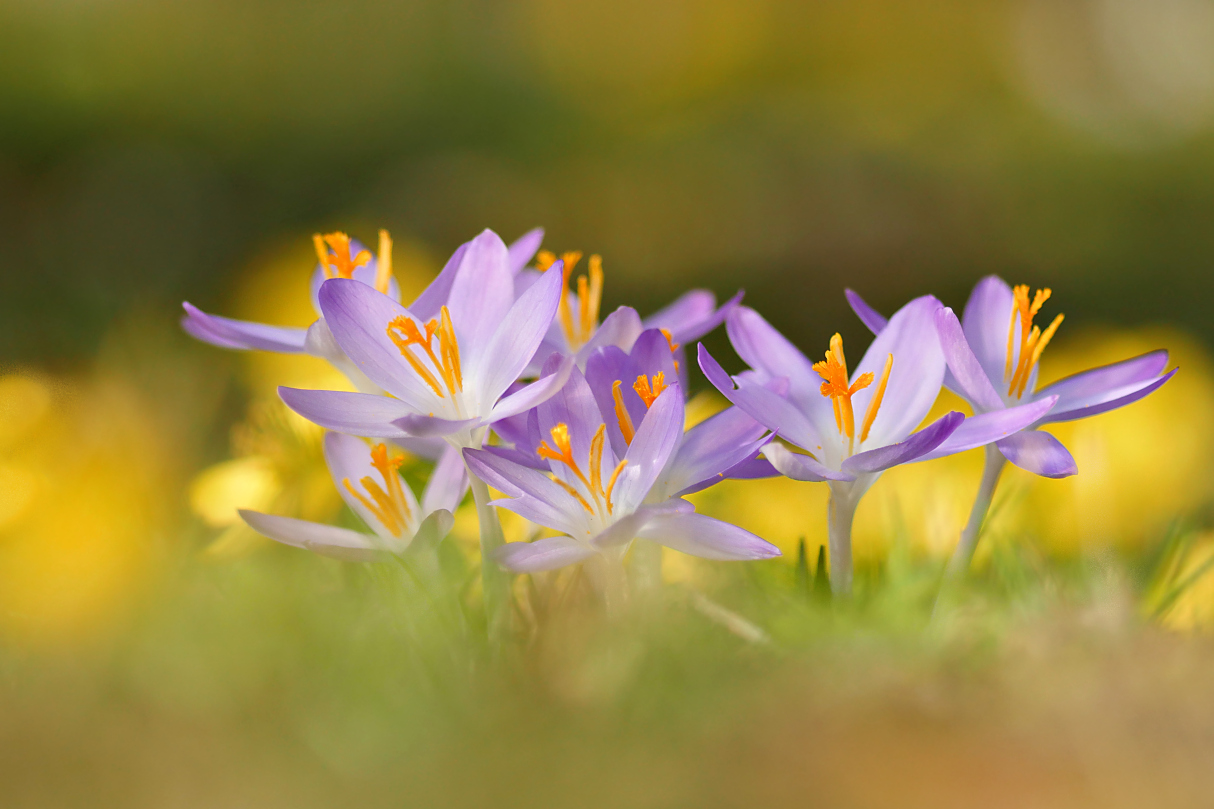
(333, 252)
(579, 330)
(836, 388)
(562, 452)
(1033, 340)
(648, 391)
(404, 332)
(388, 502)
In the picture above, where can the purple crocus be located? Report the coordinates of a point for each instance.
(367, 479)
(447, 376)
(992, 355)
(577, 332)
(601, 498)
(853, 427)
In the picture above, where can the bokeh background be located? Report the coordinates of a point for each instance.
(152, 152)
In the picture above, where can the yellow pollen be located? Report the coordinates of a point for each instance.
(388, 503)
(1019, 366)
(621, 412)
(835, 387)
(649, 392)
(333, 252)
(383, 265)
(404, 332)
(562, 452)
(579, 330)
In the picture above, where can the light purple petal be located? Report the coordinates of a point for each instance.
(765, 406)
(364, 275)
(429, 448)
(241, 334)
(800, 467)
(656, 438)
(870, 317)
(534, 394)
(542, 554)
(435, 296)
(968, 374)
(749, 469)
(431, 426)
(1091, 385)
(621, 328)
(1081, 408)
(517, 338)
(917, 445)
(534, 495)
(692, 316)
(482, 293)
(604, 368)
(349, 458)
(652, 354)
(351, 413)
(763, 348)
(523, 249)
(985, 322)
(448, 483)
(986, 428)
(358, 317)
(326, 540)
(625, 529)
(916, 377)
(707, 538)
(1040, 453)
(711, 447)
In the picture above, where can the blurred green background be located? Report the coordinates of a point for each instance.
(152, 152)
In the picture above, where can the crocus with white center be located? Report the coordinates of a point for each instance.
(367, 479)
(446, 376)
(890, 393)
(601, 500)
(992, 355)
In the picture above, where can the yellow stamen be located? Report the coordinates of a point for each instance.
(388, 503)
(874, 404)
(577, 496)
(621, 412)
(611, 483)
(1019, 365)
(835, 387)
(383, 265)
(404, 333)
(589, 294)
(596, 460)
(562, 452)
(336, 258)
(647, 391)
(673, 346)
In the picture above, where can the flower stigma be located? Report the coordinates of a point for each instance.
(563, 453)
(649, 392)
(333, 252)
(835, 387)
(1032, 340)
(589, 295)
(404, 332)
(388, 503)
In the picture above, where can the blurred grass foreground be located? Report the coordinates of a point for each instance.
(155, 652)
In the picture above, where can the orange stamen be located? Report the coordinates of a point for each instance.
(388, 503)
(647, 391)
(383, 265)
(589, 295)
(562, 452)
(611, 483)
(336, 258)
(621, 412)
(874, 404)
(404, 332)
(835, 387)
(1019, 366)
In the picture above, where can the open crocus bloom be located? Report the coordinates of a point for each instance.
(339, 256)
(446, 376)
(853, 426)
(601, 500)
(367, 479)
(993, 354)
(577, 332)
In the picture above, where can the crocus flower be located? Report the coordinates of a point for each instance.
(447, 376)
(992, 355)
(853, 426)
(367, 478)
(577, 332)
(601, 499)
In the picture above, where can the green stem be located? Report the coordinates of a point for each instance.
(495, 581)
(991, 470)
(839, 515)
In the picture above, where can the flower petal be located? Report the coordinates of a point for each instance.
(985, 321)
(542, 554)
(1093, 384)
(326, 540)
(986, 428)
(916, 376)
(708, 538)
(517, 337)
(482, 293)
(692, 316)
(604, 368)
(915, 446)
(430, 426)
(533, 395)
(711, 447)
(448, 483)
(535, 495)
(969, 377)
(656, 438)
(1081, 408)
(351, 413)
(800, 467)
(321, 343)
(1040, 453)
(870, 317)
(435, 296)
(523, 249)
(241, 334)
(621, 328)
(349, 459)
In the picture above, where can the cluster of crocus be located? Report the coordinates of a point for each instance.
(502, 372)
